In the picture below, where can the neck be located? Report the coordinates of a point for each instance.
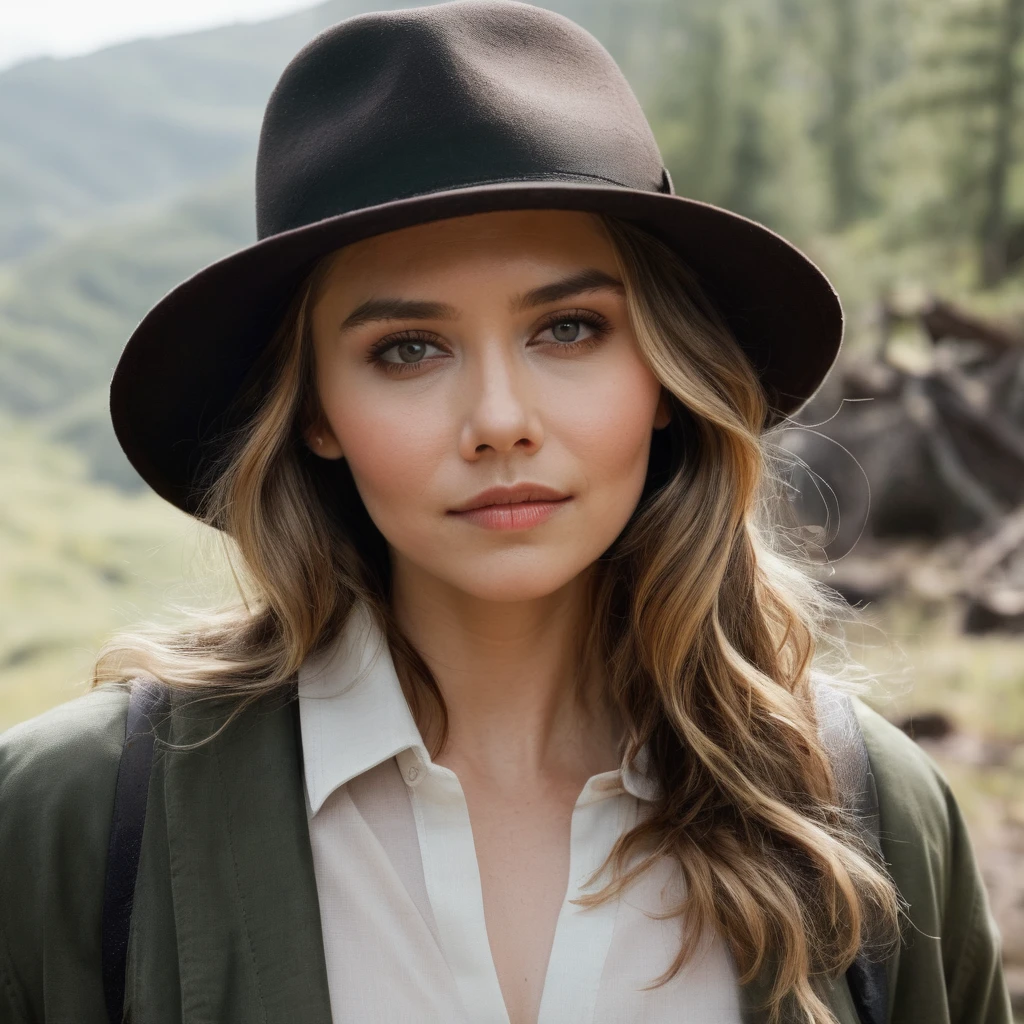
(507, 673)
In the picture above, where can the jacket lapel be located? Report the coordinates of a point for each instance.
(247, 918)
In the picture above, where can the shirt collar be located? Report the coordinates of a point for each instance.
(352, 711)
(353, 715)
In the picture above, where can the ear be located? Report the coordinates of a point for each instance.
(663, 414)
(321, 441)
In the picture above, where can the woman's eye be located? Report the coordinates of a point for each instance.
(578, 332)
(407, 352)
(567, 330)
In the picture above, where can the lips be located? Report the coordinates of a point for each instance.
(511, 495)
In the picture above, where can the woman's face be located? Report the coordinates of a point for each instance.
(482, 351)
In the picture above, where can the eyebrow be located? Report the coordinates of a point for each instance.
(372, 310)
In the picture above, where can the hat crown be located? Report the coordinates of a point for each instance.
(391, 105)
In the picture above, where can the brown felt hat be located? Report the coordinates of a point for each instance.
(395, 118)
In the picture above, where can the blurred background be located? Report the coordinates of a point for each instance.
(883, 137)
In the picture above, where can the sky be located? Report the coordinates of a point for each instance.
(63, 28)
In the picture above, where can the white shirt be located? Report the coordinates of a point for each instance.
(398, 884)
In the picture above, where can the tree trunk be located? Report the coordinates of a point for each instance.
(994, 228)
(843, 151)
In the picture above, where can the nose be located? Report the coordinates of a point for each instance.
(500, 401)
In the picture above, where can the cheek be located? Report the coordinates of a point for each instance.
(392, 449)
(609, 428)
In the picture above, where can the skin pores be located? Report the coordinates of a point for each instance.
(485, 393)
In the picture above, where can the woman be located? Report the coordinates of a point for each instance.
(484, 413)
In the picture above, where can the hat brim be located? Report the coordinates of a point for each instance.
(184, 363)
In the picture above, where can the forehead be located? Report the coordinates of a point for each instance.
(509, 242)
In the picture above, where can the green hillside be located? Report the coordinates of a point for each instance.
(66, 311)
(77, 561)
(137, 122)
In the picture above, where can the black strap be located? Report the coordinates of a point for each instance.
(841, 735)
(147, 699)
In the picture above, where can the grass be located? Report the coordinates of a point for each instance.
(921, 661)
(78, 561)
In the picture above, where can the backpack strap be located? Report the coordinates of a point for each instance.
(148, 698)
(840, 733)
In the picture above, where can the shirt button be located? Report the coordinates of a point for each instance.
(413, 773)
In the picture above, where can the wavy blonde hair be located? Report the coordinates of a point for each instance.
(707, 625)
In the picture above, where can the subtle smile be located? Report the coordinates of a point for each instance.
(520, 515)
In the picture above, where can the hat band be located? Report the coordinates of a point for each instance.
(303, 216)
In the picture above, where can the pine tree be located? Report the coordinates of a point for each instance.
(843, 53)
(1006, 79)
(726, 123)
(967, 81)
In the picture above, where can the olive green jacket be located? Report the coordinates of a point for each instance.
(226, 925)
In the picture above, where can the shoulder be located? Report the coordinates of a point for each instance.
(923, 834)
(915, 801)
(57, 777)
(58, 772)
(64, 761)
(949, 962)
(910, 784)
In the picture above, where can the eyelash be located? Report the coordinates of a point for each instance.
(598, 324)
